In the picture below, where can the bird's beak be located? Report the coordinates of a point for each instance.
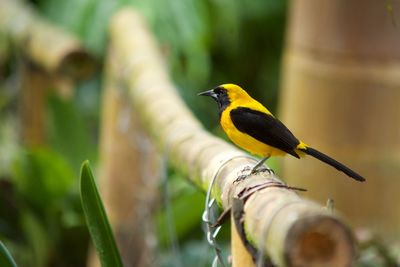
(210, 93)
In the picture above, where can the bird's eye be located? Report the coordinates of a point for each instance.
(218, 91)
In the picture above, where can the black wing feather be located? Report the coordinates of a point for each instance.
(265, 128)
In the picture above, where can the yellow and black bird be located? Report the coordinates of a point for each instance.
(252, 127)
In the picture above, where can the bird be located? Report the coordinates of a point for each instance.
(251, 126)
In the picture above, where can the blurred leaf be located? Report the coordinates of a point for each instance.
(6, 260)
(43, 177)
(186, 213)
(5, 49)
(9, 211)
(195, 251)
(9, 144)
(73, 246)
(96, 22)
(37, 239)
(97, 221)
(68, 132)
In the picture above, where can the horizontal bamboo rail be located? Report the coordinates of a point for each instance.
(58, 60)
(290, 230)
(47, 46)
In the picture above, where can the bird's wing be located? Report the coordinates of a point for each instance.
(265, 128)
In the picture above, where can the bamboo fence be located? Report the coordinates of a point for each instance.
(288, 229)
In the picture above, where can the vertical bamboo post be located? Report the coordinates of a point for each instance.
(130, 171)
(35, 86)
(240, 255)
(341, 94)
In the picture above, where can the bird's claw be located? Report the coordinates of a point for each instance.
(242, 175)
(262, 170)
(245, 169)
(241, 178)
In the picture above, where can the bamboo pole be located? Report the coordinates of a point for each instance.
(340, 94)
(290, 230)
(129, 173)
(51, 59)
(35, 85)
(241, 256)
(49, 47)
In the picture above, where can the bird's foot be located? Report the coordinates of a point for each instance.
(247, 171)
(243, 174)
(241, 178)
(261, 170)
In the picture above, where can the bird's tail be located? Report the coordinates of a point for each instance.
(330, 161)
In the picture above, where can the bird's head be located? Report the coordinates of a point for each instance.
(225, 94)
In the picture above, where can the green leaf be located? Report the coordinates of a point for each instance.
(6, 260)
(37, 238)
(191, 204)
(97, 222)
(67, 131)
(43, 178)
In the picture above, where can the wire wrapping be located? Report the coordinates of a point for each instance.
(213, 231)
